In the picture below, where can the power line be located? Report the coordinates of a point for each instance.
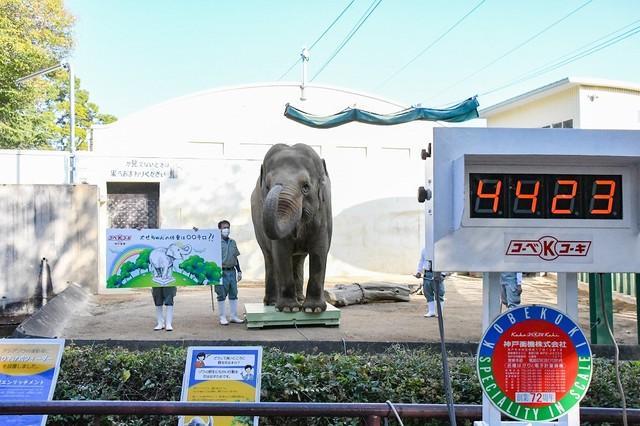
(576, 54)
(517, 47)
(374, 5)
(319, 38)
(423, 51)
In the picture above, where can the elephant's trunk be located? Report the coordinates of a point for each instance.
(282, 211)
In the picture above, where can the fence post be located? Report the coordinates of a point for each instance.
(637, 288)
(599, 332)
(372, 421)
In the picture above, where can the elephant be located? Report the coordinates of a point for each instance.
(161, 260)
(291, 214)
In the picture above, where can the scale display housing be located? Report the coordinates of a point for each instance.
(589, 222)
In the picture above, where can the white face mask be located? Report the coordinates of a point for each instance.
(225, 232)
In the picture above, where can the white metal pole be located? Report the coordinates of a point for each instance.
(304, 55)
(72, 124)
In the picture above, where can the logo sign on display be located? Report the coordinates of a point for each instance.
(28, 372)
(222, 374)
(163, 257)
(534, 363)
(548, 248)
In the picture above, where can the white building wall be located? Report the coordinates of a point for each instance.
(541, 112)
(213, 144)
(609, 108)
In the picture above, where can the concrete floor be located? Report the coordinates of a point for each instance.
(130, 315)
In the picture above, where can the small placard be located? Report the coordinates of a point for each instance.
(222, 374)
(28, 372)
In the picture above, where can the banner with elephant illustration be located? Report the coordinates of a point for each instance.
(163, 257)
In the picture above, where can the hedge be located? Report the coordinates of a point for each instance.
(399, 375)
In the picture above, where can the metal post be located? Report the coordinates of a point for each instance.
(567, 302)
(446, 377)
(372, 421)
(304, 55)
(599, 332)
(637, 287)
(72, 124)
(490, 310)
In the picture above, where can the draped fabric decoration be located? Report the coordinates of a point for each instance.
(466, 110)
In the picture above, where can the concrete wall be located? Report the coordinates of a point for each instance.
(542, 112)
(57, 222)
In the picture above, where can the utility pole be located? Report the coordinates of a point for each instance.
(304, 55)
(72, 111)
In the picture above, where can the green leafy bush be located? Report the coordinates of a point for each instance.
(399, 375)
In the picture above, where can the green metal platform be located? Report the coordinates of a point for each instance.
(259, 316)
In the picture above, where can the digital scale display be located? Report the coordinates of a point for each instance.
(545, 196)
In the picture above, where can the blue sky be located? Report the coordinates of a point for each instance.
(133, 54)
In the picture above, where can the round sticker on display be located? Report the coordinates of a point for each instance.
(534, 363)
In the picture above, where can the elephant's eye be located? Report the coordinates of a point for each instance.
(305, 188)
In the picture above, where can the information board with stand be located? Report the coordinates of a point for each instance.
(532, 200)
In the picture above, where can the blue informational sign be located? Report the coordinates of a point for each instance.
(222, 374)
(28, 372)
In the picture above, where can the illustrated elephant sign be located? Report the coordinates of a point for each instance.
(163, 257)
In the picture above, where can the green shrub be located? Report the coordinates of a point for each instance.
(399, 375)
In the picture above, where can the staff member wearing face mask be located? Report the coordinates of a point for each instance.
(231, 274)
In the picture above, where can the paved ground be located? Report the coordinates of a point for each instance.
(131, 316)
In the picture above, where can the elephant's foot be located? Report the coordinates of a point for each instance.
(314, 305)
(270, 300)
(288, 304)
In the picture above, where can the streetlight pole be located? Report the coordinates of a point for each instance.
(72, 111)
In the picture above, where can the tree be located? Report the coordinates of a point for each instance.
(36, 34)
(194, 266)
(125, 271)
(142, 261)
(212, 272)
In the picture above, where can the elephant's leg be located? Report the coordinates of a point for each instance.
(282, 259)
(315, 301)
(270, 283)
(298, 276)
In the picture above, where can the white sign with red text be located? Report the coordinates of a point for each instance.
(558, 248)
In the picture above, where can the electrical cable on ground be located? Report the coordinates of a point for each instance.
(617, 350)
(513, 49)
(423, 51)
(298, 330)
(319, 38)
(374, 5)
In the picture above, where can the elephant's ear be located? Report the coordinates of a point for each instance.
(262, 176)
(323, 182)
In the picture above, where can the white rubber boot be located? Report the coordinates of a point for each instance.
(159, 319)
(431, 309)
(169, 319)
(233, 308)
(223, 313)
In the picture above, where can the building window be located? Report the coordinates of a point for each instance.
(566, 124)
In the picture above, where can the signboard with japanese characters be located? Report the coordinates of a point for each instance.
(28, 372)
(222, 374)
(163, 257)
(534, 363)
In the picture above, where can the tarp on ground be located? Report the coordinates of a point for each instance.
(466, 110)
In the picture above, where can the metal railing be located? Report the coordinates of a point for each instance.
(370, 413)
